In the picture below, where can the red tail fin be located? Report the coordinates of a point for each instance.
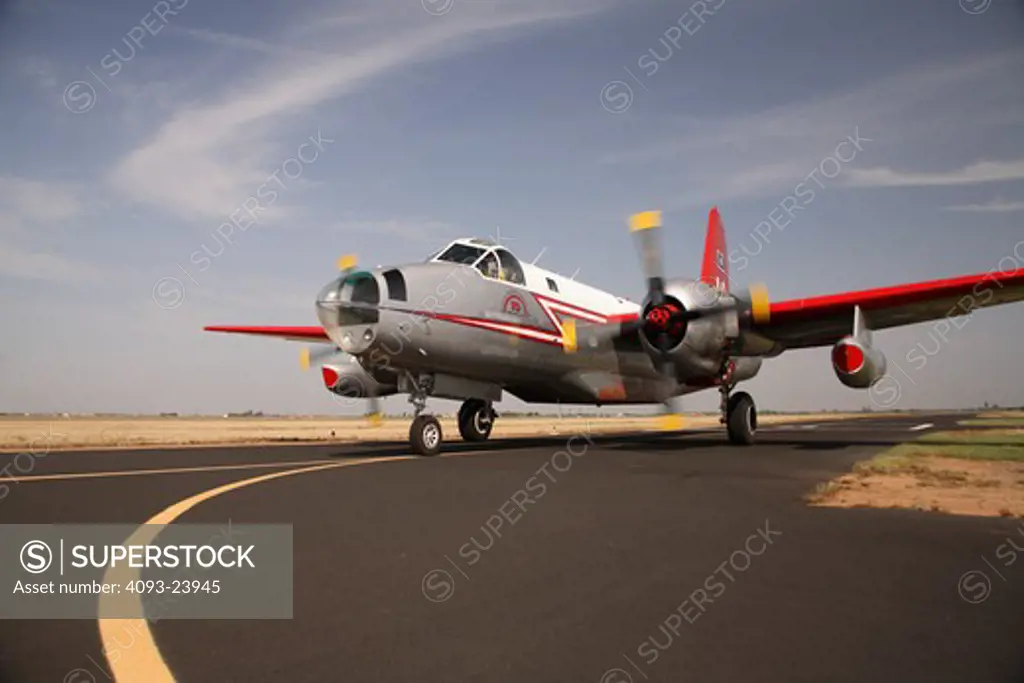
(715, 269)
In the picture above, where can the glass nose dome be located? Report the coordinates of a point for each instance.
(349, 300)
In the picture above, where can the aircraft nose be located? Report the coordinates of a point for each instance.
(347, 309)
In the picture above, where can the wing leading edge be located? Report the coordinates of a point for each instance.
(291, 333)
(824, 320)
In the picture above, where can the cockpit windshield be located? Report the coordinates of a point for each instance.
(492, 260)
(461, 253)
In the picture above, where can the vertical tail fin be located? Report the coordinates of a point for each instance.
(715, 269)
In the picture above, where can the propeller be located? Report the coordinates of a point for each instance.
(646, 228)
(664, 319)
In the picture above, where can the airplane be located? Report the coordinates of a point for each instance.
(472, 322)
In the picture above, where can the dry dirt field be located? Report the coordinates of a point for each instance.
(964, 472)
(42, 434)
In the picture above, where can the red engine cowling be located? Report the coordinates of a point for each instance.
(857, 365)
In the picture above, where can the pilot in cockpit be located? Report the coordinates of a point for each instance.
(489, 266)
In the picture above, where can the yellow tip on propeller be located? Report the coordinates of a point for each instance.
(569, 336)
(671, 422)
(374, 420)
(645, 221)
(347, 262)
(760, 306)
(304, 358)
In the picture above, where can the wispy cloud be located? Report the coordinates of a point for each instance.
(29, 210)
(981, 172)
(413, 229)
(207, 157)
(25, 200)
(761, 153)
(233, 41)
(31, 265)
(994, 206)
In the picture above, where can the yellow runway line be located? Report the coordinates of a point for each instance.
(141, 661)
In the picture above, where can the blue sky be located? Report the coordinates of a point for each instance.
(132, 130)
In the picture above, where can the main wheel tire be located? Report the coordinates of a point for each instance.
(425, 435)
(476, 419)
(741, 419)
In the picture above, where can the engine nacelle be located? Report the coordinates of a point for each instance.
(694, 347)
(857, 365)
(351, 380)
(745, 367)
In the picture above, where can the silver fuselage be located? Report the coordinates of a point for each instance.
(447, 319)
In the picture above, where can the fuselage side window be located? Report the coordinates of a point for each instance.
(552, 286)
(489, 266)
(511, 271)
(396, 284)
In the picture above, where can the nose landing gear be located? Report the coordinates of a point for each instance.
(425, 435)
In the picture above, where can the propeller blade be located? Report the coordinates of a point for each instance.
(347, 262)
(374, 416)
(592, 335)
(647, 228)
(671, 418)
(569, 336)
(308, 358)
(760, 306)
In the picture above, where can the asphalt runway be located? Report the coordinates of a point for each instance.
(646, 558)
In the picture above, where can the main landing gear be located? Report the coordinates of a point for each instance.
(739, 414)
(476, 418)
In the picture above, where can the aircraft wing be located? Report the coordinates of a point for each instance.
(305, 334)
(824, 320)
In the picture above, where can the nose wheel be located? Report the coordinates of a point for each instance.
(425, 435)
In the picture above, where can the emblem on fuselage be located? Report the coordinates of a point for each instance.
(514, 305)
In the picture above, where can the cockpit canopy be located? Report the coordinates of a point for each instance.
(492, 260)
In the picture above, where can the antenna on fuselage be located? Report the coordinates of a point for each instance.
(575, 273)
(537, 258)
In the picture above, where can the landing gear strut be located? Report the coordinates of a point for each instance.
(425, 435)
(476, 419)
(739, 414)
